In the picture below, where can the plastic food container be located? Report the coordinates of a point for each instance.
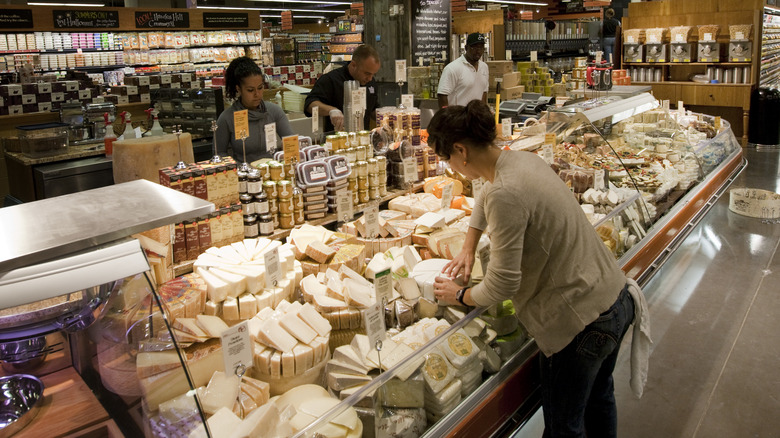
(739, 32)
(338, 167)
(681, 34)
(656, 35)
(313, 173)
(708, 32)
(43, 139)
(314, 152)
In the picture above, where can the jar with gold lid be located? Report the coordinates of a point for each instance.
(269, 187)
(286, 221)
(276, 170)
(284, 189)
(286, 205)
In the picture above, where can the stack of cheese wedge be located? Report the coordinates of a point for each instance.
(234, 276)
(319, 249)
(290, 345)
(415, 204)
(394, 230)
(286, 415)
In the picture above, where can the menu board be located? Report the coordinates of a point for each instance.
(86, 19)
(225, 19)
(151, 19)
(16, 19)
(431, 30)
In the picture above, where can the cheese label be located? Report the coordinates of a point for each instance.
(237, 349)
(371, 218)
(383, 284)
(459, 344)
(436, 367)
(708, 37)
(440, 329)
(506, 127)
(410, 170)
(547, 153)
(739, 35)
(534, 56)
(718, 124)
(359, 99)
(344, 206)
(374, 318)
(420, 61)
(273, 268)
(630, 39)
(291, 147)
(680, 38)
(315, 119)
(446, 196)
(598, 179)
(407, 100)
(241, 124)
(400, 70)
(270, 137)
(549, 138)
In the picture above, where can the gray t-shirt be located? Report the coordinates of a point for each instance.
(255, 144)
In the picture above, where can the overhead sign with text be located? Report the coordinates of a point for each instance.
(430, 30)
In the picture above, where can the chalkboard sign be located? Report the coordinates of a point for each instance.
(430, 30)
(151, 19)
(86, 19)
(16, 19)
(225, 19)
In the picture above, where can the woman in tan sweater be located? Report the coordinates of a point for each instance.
(546, 257)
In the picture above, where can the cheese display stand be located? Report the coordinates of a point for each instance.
(336, 332)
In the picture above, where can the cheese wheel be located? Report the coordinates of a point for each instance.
(142, 158)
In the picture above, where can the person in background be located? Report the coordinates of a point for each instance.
(328, 92)
(466, 78)
(609, 29)
(545, 256)
(244, 84)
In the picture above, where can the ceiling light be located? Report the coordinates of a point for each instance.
(512, 2)
(77, 5)
(316, 2)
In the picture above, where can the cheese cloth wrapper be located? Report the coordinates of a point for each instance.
(142, 158)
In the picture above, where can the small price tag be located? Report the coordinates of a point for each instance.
(420, 61)
(291, 148)
(547, 153)
(476, 187)
(371, 218)
(598, 179)
(534, 56)
(446, 196)
(273, 268)
(718, 123)
(359, 99)
(400, 70)
(739, 35)
(508, 55)
(407, 100)
(707, 37)
(236, 348)
(241, 124)
(383, 284)
(374, 317)
(549, 138)
(630, 39)
(315, 119)
(270, 137)
(410, 170)
(506, 127)
(679, 38)
(344, 207)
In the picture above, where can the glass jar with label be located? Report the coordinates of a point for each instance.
(362, 168)
(269, 187)
(362, 183)
(276, 170)
(300, 218)
(383, 189)
(355, 198)
(373, 192)
(254, 182)
(247, 203)
(242, 180)
(363, 196)
(265, 172)
(265, 225)
(373, 165)
(373, 179)
(381, 163)
(275, 218)
(297, 198)
(261, 203)
(284, 189)
(351, 154)
(286, 205)
(273, 206)
(352, 184)
(360, 153)
(250, 226)
(289, 169)
(286, 221)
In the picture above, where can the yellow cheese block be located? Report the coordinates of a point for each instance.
(142, 158)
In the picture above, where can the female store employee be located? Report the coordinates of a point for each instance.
(547, 258)
(244, 84)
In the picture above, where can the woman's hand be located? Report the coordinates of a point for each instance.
(445, 291)
(460, 266)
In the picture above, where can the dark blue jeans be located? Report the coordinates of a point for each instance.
(578, 397)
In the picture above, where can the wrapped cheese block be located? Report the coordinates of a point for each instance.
(142, 158)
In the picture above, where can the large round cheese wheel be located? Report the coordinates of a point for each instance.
(142, 158)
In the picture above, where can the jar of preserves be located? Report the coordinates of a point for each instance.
(250, 226)
(300, 219)
(276, 170)
(284, 189)
(362, 183)
(254, 182)
(261, 203)
(242, 178)
(286, 205)
(265, 225)
(273, 206)
(286, 221)
(265, 172)
(247, 203)
(363, 196)
(269, 187)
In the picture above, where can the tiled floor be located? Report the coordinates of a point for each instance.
(715, 309)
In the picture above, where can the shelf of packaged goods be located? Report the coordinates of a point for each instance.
(723, 64)
(691, 83)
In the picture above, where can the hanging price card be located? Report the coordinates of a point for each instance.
(371, 218)
(446, 196)
(344, 207)
(374, 317)
(383, 284)
(359, 99)
(598, 179)
(506, 127)
(315, 119)
(407, 100)
(273, 268)
(241, 124)
(291, 148)
(410, 170)
(236, 348)
(400, 70)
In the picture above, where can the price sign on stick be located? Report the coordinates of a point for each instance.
(273, 268)
(371, 220)
(344, 207)
(375, 324)
(506, 127)
(400, 70)
(383, 284)
(315, 119)
(270, 137)
(410, 170)
(236, 349)
(407, 100)
(598, 179)
(359, 99)
(291, 148)
(446, 196)
(241, 124)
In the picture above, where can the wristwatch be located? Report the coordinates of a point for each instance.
(460, 295)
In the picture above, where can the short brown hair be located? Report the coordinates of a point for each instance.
(609, 13)
(364, 51)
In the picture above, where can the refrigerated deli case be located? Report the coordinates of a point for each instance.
(643, 174)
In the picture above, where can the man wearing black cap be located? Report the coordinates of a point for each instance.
(466, 78)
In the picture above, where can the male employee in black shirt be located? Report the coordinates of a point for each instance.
(328, 91)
